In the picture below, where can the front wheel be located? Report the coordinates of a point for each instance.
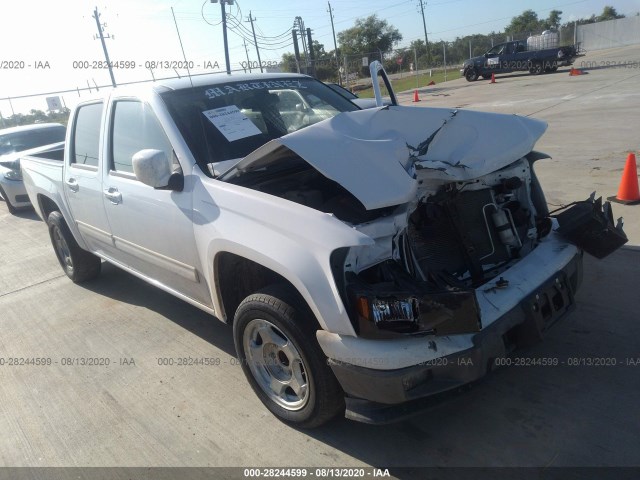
(274, 335)
(471, 75)
(78, 264)
(12, 210)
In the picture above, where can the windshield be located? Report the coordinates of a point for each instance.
(497, 50)
(230, 120)
(27, 139)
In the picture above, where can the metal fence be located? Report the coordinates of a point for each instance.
(610, 34)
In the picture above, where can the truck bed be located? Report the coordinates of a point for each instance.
(43, 174)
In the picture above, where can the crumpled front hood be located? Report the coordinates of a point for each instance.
(379, 155)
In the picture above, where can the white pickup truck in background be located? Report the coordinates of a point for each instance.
(367, 260)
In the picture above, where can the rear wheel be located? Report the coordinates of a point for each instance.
(78, 264)
(471, 75)
(536, 68)
(274, 335)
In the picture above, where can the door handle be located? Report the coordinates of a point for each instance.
(113, 195)
(72, 183)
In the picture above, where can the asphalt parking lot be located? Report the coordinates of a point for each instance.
(137, 411)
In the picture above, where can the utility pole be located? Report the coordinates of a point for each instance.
(224, 30)
(444, 51)
(312, 55)
(302, 30)
(296, 49)
(101, 27)
(335, 44)
(247, 52)
(424, 24)
(255, 42)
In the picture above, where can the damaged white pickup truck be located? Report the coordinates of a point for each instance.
(367, 259)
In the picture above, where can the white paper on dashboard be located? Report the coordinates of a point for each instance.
(232, 123)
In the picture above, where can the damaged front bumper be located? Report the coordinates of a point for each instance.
(386, 380)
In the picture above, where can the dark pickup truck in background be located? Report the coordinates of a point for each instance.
(537, 54)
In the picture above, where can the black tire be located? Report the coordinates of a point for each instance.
(275, 323)
(12, 210)
(536, 68)
(471, 74)
(78, 264)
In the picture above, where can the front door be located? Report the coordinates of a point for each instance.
(152, 229)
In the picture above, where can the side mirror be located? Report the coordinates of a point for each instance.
(153, 168)
(486, 55)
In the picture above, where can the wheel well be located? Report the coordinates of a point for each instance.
(238, 277)
(46, 206)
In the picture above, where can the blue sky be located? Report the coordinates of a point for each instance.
(61, 34)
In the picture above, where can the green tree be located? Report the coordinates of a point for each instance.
(526, 22)
(553, 20)
(288, 63)
(367, 36)
(608, 13)
(37, 116)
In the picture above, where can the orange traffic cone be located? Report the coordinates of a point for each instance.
(628, 193)
(493, 78)
(431, 83)
(574, 72)
(415, 96)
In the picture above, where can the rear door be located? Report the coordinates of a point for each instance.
(152, 229)
(508, 58)
(82, 177)
(518, 60)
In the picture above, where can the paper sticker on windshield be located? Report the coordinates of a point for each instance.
(493, 61)
(232, 123)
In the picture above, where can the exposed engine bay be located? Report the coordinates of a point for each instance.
(430, 254)
(466, 233)
(457, 237)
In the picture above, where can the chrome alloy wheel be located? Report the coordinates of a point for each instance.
(276, 364)
(62, 249)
